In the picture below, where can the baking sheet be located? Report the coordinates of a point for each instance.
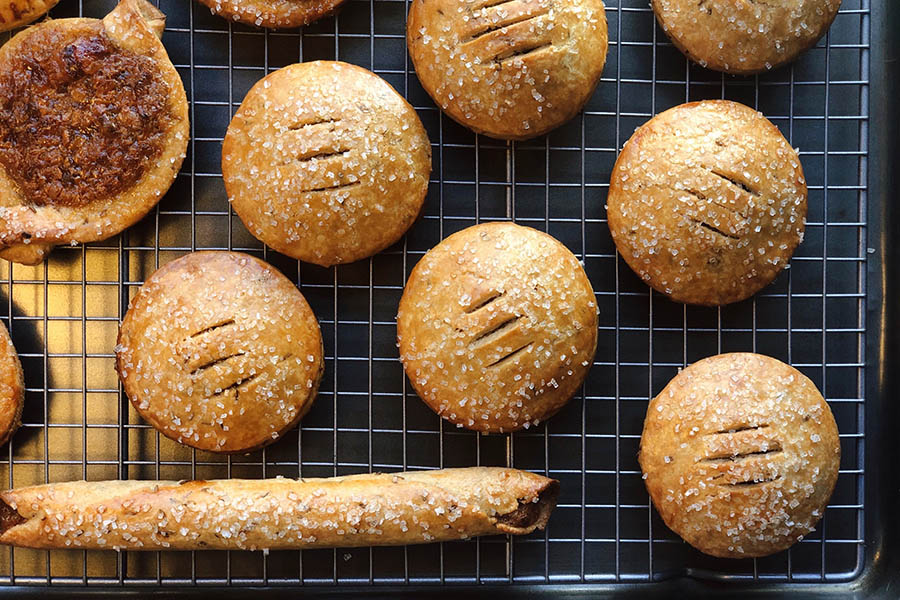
(64, 316)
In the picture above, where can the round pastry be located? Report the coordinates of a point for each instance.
(12, 387)
(275, 14)
(744, 36)
(497, 327)
(511, 69)
(220, 351)
(740, 454)
(93, 129)
(15, 13)
(326, 163)
(707, 202)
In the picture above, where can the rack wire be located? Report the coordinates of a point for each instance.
(63, 317)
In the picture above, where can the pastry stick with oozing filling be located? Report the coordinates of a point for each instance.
(235, 514)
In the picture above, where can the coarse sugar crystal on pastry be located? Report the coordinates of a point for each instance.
(220, 351)
(497, 327)
(511, 69)
(15, 13)
(707, 202)
(325, 162)
(743, 37)
(12, 387)
(274, 14)
(740, 454)
(93, 129)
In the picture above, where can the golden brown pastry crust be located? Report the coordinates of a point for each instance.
(740, 454)
(743, 37)
(12, 387)
(511, 69)
(15, 13)
(28, 230)
(707, 202)
(274, 14)
(497, 327)
(326, 163)
(220, 351)
(358, 510)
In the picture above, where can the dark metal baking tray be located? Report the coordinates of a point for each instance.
(825, 315)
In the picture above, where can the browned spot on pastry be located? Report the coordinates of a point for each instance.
(80, 118)
(9, 517)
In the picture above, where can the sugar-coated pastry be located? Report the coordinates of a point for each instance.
(740, 454)
(220, 351)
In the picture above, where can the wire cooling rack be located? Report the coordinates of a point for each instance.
(63, 317)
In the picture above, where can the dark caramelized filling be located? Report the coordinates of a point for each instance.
(524, 516)
(80, 118)
(9, 517)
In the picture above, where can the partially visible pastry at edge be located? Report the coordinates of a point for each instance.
(707, 202)
(15, 13)
(93, 129)
(275, 14)
(220, 351)
(740, 454)
(326, 162)
(12, 387)
(512, 69)
(497, 327)
(743, 37)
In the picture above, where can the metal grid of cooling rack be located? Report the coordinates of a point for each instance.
(63, 317)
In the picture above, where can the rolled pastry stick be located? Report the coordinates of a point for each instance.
(232, 514)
